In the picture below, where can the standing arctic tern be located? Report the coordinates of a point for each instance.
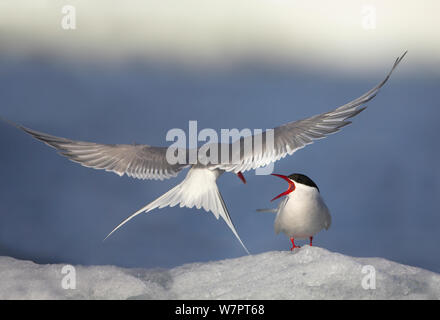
(199, 188)
(303, 212)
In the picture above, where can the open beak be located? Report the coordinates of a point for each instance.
(289, 190)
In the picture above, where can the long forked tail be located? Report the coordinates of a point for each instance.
(198, 189)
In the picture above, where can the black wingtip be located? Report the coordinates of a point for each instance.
(10, 122)
(404, 54)
(15, 125)
(399, 59)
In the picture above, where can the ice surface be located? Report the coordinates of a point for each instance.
(306, 273)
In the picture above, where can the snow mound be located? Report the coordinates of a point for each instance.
(306, 273)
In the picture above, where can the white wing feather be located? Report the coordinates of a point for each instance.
(136, 160)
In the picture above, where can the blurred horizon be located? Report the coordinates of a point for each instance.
(346, 36)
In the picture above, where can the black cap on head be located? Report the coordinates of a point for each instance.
(303, 179)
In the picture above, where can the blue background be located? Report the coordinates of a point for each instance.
(379, 176)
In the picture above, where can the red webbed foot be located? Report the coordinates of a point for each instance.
(293, 244)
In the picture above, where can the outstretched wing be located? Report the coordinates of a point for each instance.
(293, 136)
(137, 161)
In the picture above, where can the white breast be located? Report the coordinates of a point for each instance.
(302, 213)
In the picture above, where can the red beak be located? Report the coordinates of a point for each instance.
(289, 190)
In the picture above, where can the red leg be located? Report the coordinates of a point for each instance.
(241, 176)
(311, 239)
(293, 244)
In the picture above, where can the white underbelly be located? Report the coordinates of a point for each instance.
(302, 218)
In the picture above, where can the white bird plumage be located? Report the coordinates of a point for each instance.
(302, 213)
(199, 188)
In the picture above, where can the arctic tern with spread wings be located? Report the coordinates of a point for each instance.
(199, 188)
